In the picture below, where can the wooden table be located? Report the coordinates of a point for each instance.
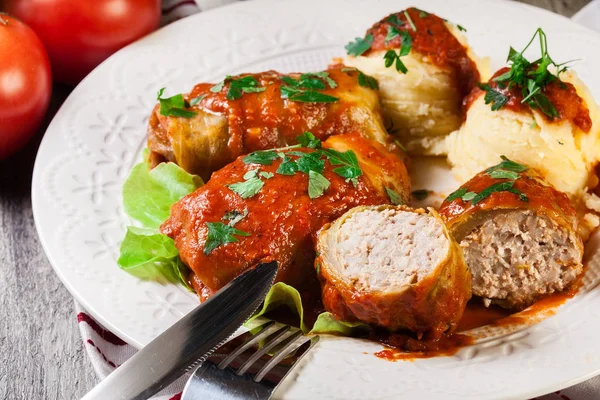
(41, 353)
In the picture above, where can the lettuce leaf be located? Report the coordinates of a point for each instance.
(281, 294)
(149, 194)
(147, 197)
(148, 254)
(326, 323)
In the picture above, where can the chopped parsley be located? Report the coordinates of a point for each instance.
(494, 96)
(506, 186)
(410, 21)
(395, 198)
(306, 88)
(359, 45)
(420, 194)
(532, 77)
(312, 164)
(317, 184)
(219, 234)
(174, 106)
(287, 166)
(364, 80)
(392, 33)
(250, 186)
(237, 87)
(391, 57)
(394, 20)
(507, 164)
(349, 167)
(197, 100)
(367, 81)
(307, 139)
(507, 169)
(263, 157)
(234, 216)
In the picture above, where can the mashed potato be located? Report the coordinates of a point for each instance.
(424, 105)
(564, 153)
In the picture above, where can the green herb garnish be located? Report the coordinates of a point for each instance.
(350, 169)
(237, 87)
(506, 186)
(393, 19)
(364, 80)
(392, 33)
(305, 88)
(219, 234)
(287, 166)
(509, 165)
(395, 198)
(367, 81)
(410, 21)
(492, 95)
(532, 77)
(234, 216)
(391, 57)
(197, 100)
(263, 157)
(507, 169)
(174, 106)
(247, 84)
(307, 139)
(249, 187)
(317, 184)
(359, 45)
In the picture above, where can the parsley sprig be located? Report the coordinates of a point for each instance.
(530, 76)
(252, 183)
(219, 234)
(306, 88)
(394, 196)
(364, 80)
(174, 106)
(359, 45)
(507, 169)
(237, 87)
(391, 57)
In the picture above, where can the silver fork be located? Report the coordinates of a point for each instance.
(250, 366)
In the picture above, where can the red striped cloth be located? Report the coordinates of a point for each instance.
(106, 351)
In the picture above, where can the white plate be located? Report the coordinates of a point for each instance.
(96, 137)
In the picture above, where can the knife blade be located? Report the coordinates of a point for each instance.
(189, 341)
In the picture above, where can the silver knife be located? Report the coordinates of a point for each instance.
(189, 341)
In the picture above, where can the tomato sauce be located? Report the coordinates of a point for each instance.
(433, 39)
(406, 347)
(562, 95)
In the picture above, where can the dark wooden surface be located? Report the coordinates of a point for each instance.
(41, 354)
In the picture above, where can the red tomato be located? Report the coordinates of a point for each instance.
(80, 34)
(25, 84)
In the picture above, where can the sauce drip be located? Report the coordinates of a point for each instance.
(562, 95)
(433, 39)
(404, 346)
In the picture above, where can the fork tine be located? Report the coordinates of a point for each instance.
(272, 340)
(284, 352)
(248, 339)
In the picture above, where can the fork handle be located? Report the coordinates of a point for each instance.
(209, 382)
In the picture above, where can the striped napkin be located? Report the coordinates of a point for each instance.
(106, 351)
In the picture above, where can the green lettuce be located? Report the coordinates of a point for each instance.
(282, 295)
(149, 194)
(147, 197)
